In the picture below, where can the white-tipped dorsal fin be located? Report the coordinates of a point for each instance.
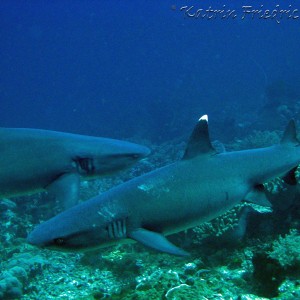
(199, 142)
(204, 118)
(290, 134)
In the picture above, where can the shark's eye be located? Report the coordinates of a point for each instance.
(59, 241)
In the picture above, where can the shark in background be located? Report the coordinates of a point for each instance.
(33, 160)
(201, 186)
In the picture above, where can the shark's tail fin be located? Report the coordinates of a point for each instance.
(290, 134)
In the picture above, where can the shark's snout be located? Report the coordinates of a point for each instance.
(36, 238)
(146, 151)
(46, 233)
(70, 230)
(141, 152)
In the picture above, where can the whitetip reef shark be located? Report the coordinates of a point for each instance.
(201, 186)
(33, 160)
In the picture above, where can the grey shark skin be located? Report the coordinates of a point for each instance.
(33, 160)
(196, 189)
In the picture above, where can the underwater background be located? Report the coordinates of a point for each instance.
(145, 71)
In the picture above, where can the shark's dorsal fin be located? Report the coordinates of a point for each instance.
(199, 142)
(290, 134)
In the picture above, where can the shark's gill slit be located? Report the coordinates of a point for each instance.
(117, 229)
(86, 165)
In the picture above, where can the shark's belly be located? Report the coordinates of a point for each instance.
(179, 207)
(29, 174)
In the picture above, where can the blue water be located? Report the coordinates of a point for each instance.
(138, 68)
(147, 70)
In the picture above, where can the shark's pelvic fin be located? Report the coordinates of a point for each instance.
(156, 241)
(290, 134)
(199, 142)
(258, 196)
(65, 189)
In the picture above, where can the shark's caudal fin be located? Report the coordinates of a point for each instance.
(199, 142)
(290, 134)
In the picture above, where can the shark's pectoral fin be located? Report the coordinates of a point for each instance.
(65, 189)
(258, 196)
(156, 241)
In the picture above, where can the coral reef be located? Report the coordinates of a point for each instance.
(18, 270)
(286, 250)
(231, 225)
(258, 139)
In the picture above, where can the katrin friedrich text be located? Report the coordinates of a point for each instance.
(246, 12)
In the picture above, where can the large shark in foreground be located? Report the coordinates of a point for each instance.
(33, 160)
(200, 187)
